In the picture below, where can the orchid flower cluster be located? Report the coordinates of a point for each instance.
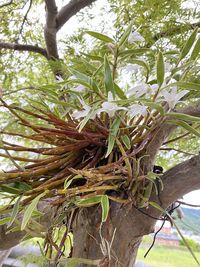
(172, 97)
(166, 92)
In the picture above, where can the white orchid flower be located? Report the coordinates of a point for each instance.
(172, 97)
(110, 107)
(135, 37)
(83, 113)
(138, 90)
(79, 89)
(137, 109)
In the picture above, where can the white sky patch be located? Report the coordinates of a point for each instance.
(192, 197)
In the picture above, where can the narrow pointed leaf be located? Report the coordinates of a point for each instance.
(112, 136)
(90, 115)
(184, 240)
(186, 85)
(105, 207)
(125, 35)
(160, 69)
(183, 117)
(87, 202)
(4, 220)
(9, 189)
(84, 77)
(14, 211)
(126, 141)
(133, 52)
(186, 126)
(196, 50)
(109, 85)
(29, 210)
(119, 92)
(188, 45)
(100, 36)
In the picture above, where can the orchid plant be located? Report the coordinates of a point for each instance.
(95, 130)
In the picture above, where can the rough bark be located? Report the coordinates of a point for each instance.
(130, 225)
(161, 135)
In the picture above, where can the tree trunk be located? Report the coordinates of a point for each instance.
(130, 224)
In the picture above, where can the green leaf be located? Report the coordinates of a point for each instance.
(14, 211)
(186, 126)
(4, 220)
(87, 202)
(29, 210)
(112, 135)
(9, 189)
(154, 105)
(84, 77)
(185, 85)
(147, 194)
(90, 115)
(79, 81)
(184, 240)
(93, 57)
(133, 52)
(171, 52)
(160, 69)
(182, 67)
(125, 35)
(182, 116)
(126, 141)
(108, 76)
(105, 207)
(119, 92)
(67, 182)
(100, 36)
(22, 186)
(189, 43)
(196, 50)
(155, 205)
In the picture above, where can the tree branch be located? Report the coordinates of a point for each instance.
(24, 20)
(6, 4)
(180, 180)
(50, 29)
(55, 20)
(70, 10)
(176, 30)
(24, 47)
(180, 29)
(161, 136)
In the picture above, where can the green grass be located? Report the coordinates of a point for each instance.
(161, 256)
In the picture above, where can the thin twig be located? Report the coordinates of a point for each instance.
(177, 150)
(6, 4)
(188, 204)
(24, 20)
(176, 139)
(21, 89)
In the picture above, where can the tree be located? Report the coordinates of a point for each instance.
(97, 137)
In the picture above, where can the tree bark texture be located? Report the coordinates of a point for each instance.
(125, 226)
